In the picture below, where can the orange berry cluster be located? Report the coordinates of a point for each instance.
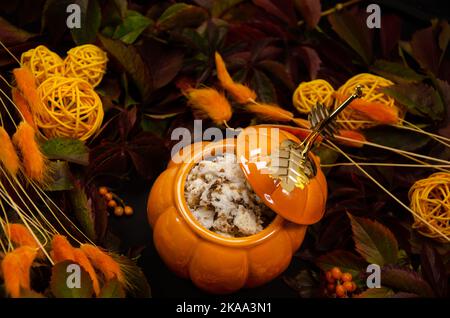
(339, 283)
(115, 203)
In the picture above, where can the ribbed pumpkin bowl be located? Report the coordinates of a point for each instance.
(220, 264)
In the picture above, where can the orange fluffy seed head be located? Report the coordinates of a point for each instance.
(32, 157)
(241, 93)
(82, 260)
(16, 267)
(357, 138)
(103, 262)
(376, 111)
(208, 102)
(23, 107)
(62, 250)
(26, 82)
(20, 235)
(302, 123)
(270, 112)
(8, 155)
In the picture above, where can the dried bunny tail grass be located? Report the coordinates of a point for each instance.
(20, 235)
(302, 123)
(62, 250)
(208, 102)
(241, 93)
(8, 155)
(26, 82)
(357, 138)
(16, 267)
(23, 107)
(270, 112)
(103, 262)
(34, 162)
(83, 261)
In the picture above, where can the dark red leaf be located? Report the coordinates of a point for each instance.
(390, 33)
(311, 10)
(425, 49)
(311, 60)
(282, 9)
(405, 280)
(433, 270)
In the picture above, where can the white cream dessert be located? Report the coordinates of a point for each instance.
(221, 199)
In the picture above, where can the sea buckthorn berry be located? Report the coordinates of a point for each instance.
(128, 210)
(340, 291)
(336, 273)
(112, 203)
(108, 196)
(103, 190)
(329, 277)
(346, 277)
(118, 211)
(353, 286)
(348, 286)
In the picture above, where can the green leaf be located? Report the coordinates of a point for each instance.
(396, 138)
(61, 177)
(382, 292)
(345, 260)
(263, 87)
(219, 7)
(420, 99)
(373, 241)
(112, 289)
(353, 32)
(406, 281)
(60, 278)
(181, 15)
(396, 72)
(10, 34)
(129, 57)
(71, 150)
(135, 277)
(91, 17)
(132, 26)
(83, 211)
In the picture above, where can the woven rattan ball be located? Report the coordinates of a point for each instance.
(308, 94)
(430, 200)
(42, 62)
(87, 62)
(72, 108)
(370, 84)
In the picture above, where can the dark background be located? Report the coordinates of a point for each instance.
(135, 231)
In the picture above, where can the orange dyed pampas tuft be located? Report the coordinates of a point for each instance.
(103, 262)
(208, 102)
(241, 93)
(8, 155)
(20, 235)
(270, 112)
(62, 250)
(23, 107)
(32, 157)
(16, 267)
(26, 82)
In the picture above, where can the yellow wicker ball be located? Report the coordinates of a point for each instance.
(42, 62)
(308, 94)
(72, 108)
(87, 62)
(370, 84)
(430, 199)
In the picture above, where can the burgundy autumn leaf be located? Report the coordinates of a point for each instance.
(311, 10)
(405, 280)
(433, 270)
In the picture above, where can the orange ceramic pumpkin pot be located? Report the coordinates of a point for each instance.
(220, 264)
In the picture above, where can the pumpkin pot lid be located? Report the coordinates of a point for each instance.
(301, 205)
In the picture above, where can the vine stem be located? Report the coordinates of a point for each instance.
(337, 7)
